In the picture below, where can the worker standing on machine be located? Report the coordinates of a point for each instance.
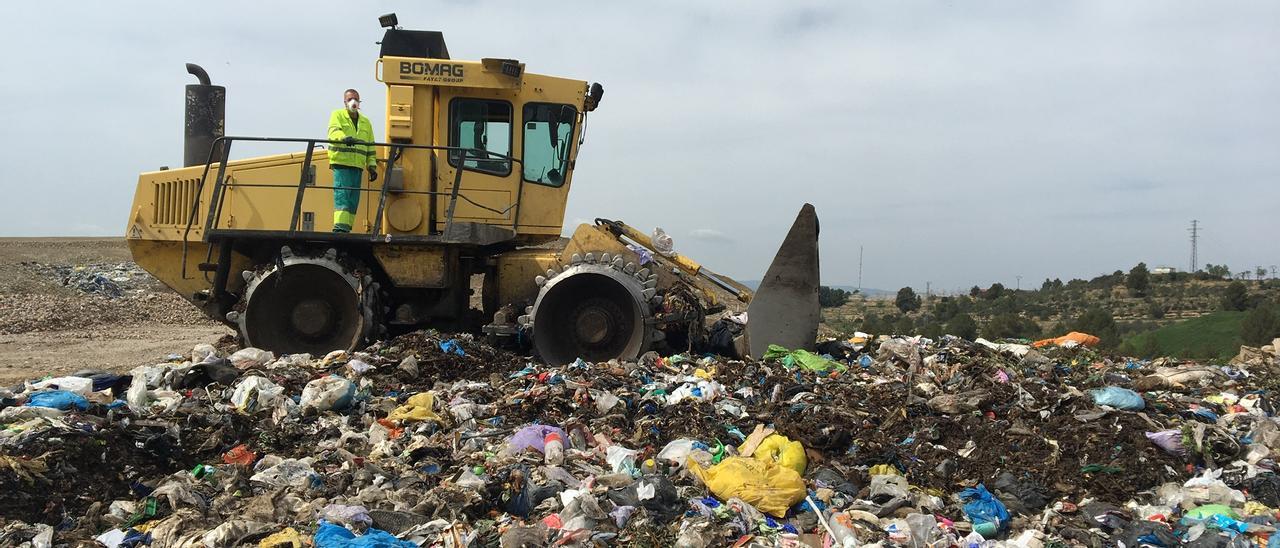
(350, 159)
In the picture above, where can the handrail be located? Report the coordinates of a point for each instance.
(220, 184)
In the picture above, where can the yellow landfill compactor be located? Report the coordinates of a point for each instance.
(475, 171)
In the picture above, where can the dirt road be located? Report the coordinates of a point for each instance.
(68, 304)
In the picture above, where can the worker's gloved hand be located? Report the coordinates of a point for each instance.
(349, 140)
(373, 174)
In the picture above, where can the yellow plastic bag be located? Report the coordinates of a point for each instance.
(1253, 508)
(883, 470)
(288, 538)
(417, 408)
(771, 488)
(780, 450)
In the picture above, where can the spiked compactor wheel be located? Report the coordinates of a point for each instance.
(311, 304)
(595, 310)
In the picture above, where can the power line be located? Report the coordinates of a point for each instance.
(1195, 238)
(859, 269)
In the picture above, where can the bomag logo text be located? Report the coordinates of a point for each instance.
(446, 72)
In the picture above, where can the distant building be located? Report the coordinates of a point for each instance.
(1163, 270)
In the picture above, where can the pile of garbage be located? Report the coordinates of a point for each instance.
(112, 280)
(432, 440)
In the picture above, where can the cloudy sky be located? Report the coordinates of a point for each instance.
(958, 143)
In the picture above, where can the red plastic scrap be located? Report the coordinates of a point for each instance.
(240, 454)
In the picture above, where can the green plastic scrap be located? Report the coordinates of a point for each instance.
(719, 454)
(1091, 468)
(147, 511)
(802, 358)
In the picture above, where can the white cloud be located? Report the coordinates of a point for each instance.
(709, 234)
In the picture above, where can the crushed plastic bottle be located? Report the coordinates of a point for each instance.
(553, 449)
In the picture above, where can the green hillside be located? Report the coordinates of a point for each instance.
(1213, 335)
(1197, 316)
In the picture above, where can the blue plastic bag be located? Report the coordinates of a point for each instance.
(983, 507)
(1119, 398)
(58, 399)
(452, 346)
(336, 536)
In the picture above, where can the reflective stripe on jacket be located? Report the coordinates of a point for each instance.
(357, 156)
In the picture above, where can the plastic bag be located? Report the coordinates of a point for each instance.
(888, 486)
(1209, 510)
(326, 393)
(417, 408)
(802, 358)
(781, 450)
(1169, 440)
(1119, 398)
(240, 454)
(452, 346)
(79, 385)
(1207, 488)
(343, 514)
(409, 365)
(662, 242)
(58, 399)
(246, 358)
(621, 458)
(531, 437)
(255, 393)
(769, 487)
(329, 535)
(286, 473)
(230, 533)
(604, 401)
(359, 367)
(703, 390)
(983, 507)
(677, 451)
(203, 351)
(288, 538)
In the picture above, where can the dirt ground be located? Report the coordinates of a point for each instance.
(51, 324)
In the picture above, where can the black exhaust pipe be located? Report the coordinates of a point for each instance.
(205, 118)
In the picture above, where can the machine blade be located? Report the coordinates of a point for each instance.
(785, 308)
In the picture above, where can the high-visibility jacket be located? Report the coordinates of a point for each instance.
(357, 156)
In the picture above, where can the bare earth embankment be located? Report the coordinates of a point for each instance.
(69, 304)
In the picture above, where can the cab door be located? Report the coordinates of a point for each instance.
(485, 120)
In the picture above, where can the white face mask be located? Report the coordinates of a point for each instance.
(353, 104)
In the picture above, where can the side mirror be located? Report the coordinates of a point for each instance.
(594, 96)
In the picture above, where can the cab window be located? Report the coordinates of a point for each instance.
(548, 138)
(481, 124)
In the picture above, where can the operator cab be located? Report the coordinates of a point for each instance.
(506, 139)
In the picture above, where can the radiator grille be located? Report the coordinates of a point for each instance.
(173, 201)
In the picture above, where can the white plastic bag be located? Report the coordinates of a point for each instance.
(254, 393)
(470, 480)
(343, 514)
(604, 401)
(246, 358)
(662, 242)
(409, 365)
(326, 393)
(890, 485)
(203, 351)
(79, 385)
(288, 473)
(677, 452)
(137, 396)
(621, 458)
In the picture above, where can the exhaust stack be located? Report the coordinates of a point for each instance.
(205, 118)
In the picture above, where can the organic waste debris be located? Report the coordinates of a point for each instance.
(438, 440)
